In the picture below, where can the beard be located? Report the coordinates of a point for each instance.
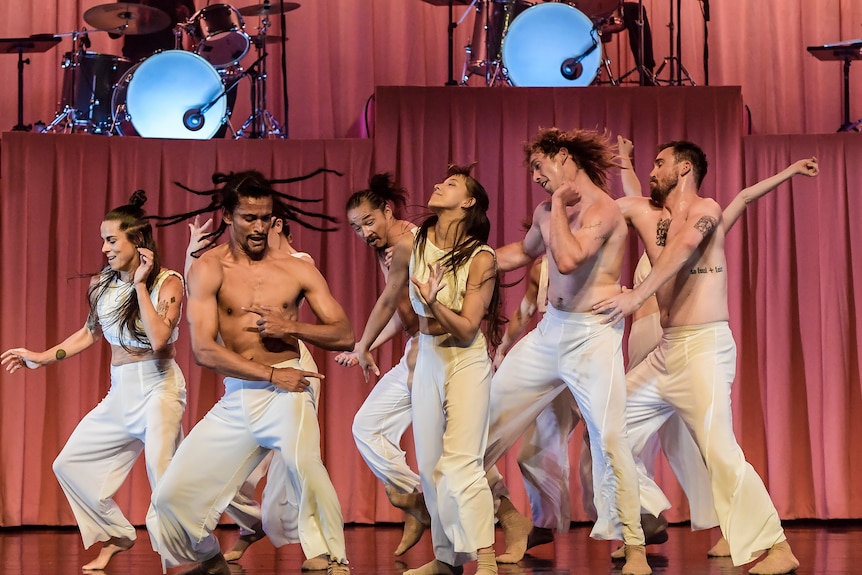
(659, 191)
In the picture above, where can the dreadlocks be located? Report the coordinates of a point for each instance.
(252, 184)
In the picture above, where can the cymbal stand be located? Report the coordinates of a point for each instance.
(67, 118)
(677, 72)
(646, 77)
(491, 64)
(261, 123)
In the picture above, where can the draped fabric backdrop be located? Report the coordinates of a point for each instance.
(794, 289)
(339, 50)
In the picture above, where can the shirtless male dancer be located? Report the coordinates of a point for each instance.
(386, 413)
(691, 371)
(243, 302)
(583, 234)
(278, 517)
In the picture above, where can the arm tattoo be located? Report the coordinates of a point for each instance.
(61, 354)
(705, 225)
(162, 310)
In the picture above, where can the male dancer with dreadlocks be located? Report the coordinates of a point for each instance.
(243, 323)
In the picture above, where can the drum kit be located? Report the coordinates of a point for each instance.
(553, 43)
(173, 93)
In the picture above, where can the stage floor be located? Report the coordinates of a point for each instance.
(823, 548)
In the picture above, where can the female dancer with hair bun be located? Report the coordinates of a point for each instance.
(135, 304)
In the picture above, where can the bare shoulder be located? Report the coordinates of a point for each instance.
(208, 271)
(484, 264)
(705, 206)
(630, 206)
(542, 211)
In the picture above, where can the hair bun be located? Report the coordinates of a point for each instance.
(138, 199)
(381, 184)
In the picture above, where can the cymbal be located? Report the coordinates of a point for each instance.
(127, 18)
(268, 8)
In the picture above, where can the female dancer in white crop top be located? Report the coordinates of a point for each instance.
(454, 287)
(135, 305)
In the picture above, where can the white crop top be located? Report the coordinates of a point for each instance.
(452, 294)
(114, 296)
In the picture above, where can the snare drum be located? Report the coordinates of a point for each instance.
(552, 44)
(88, 84)
(218, 32)
(156, 97)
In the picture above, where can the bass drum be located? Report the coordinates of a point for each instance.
(552, 44)
(157, 98)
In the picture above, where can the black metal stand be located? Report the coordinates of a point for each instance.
(20, 126)
(646, 77)
(848, 126)
(36, 43)
(705, 9)
(677, 73)
(451, 48)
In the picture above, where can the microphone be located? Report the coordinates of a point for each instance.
(571, 68)
(193, 119)
(85, 39)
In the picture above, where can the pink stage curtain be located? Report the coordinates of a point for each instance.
(339, 50)
(55, 191)
(794, 289)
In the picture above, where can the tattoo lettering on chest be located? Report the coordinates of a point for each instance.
(706, 270)
(661, 231)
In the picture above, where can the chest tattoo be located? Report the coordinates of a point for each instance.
(661, 231)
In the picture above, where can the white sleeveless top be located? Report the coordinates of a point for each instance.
(452, 294)
(115, 295)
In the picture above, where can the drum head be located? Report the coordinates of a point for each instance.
(167, 85)
(542, 38)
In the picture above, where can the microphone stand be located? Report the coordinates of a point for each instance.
(705, 10)
(283, 20)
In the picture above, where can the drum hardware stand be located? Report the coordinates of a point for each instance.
(67, 118)
(645, 76)
(677, 72)
(261, 122)
(495, 73)
(35, 43)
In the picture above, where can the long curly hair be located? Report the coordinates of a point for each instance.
(135, 223)
(471, 233)
(591, 151)
(252, 184)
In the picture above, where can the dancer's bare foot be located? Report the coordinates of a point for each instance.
(436, 568)
(413, 530)
(336, 568)
(636, 562)
(244, 542)
(539, 536)
(412, 503)
(779, 560)
(516, 529)
(110, 548)
(319, 563)
(212, 566)
(720, 549)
